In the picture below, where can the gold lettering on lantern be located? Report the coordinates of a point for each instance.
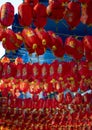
(8, 70)
(30, 33)
(35, 71)
(24, 71)
(59, 69)
(18, 72)
(51, 70)
(72, 44)
(43, 71)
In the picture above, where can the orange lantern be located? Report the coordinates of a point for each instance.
(25, 8)
(72, 14)
(39, 15)
(7, 14)
(18, 60)
(5, 60)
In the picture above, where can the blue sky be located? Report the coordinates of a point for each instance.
(15, 3)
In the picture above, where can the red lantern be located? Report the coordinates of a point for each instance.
(10, 40)
(88, 10)
(84, 1)
(31, 39)
(2, 33)
(32, 2)
(40, 16)
(7, 14)
(79, 51)
(87, 40)
(72, 14)
(18, 60)
(70, 45)
(25, 14)
(56, 44)
(55, 8)
(83, 69)
(44, 36)
(68, 98)
(59, 51)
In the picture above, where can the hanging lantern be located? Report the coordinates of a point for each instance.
(25, 14)
(7, 14)
(54, 8)
(10, 40)
(83, 69)
(5, 60)
(87, 40)
(84, 1)
(2, 33)
(79, 50)
(39, 15)
(32, 2)
(70, 45)
(88, 10)
(68, 98)
(72, 14)
(44, 36)
(59, 51)
(31, 39)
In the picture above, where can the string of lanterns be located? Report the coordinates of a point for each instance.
(39, 40)
(44, 103)
(46, 96)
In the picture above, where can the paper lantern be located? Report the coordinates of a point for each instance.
(72, 14)
(31, 39)
(7, 14)
(54, 8)
(59, 51)
(32, 2)
(25, 8)
(10, 40)
(68, 98)
(44, 36)
(70, 45)
(39, 15)
(88, 47)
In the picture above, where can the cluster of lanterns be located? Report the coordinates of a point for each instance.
(38, 40)
(46, 96)
(72, 12)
